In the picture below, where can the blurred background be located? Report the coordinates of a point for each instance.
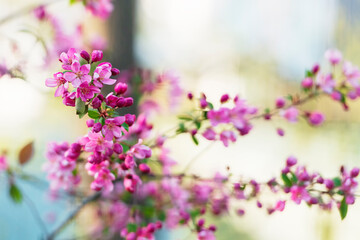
(257, 49)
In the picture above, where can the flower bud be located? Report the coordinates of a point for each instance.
(280, 102)
(307, 83)
(190, 96)
(111, 100)
(118, 148)
(96, 56)
(97, 127)
(329, 184)
(121, 102)
(354, 172)
(85, 55)
(120, 88)
(224, 98)
(315, 69)
(144, 168)
(115, 71)
(128, 102)
(201, 222)
(90, 122)
(291, 161)
(280, 132)
(96, 103)
(129, 119)
(316, 118)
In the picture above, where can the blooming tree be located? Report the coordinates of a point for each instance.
(131, 168)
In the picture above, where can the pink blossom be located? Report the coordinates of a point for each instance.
(299, 193)
(69, 98)
(326, 82)
(227, 135)
(219, 116)
(86, 92)
(112, 127)
(68, 58)
(352, 74)
(102, 75)
(334, 56)
(100, 8)
(316, 118)
(307, 83)
(291, 114)
(96, 142)
(103, 180)
(280, 102)
(140, 151)
(3, 163)
(209, 134)
(78, 74)
(59, 82)
(130, 182)
(206, 235)
(280, 205)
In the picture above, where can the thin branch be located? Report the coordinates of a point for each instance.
(73, 214)
(35, 213)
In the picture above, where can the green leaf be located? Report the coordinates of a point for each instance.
(181, 128)
(131, 227)
(81, 108)
(93, 113)
(15, 193)
(126, 126)
(125, 147)
(102, 121)
(309, 73)
(286, 180)
(197, 124)
(337, 182)
(205, 113)
(289, 97)
(343, 208)
(185, 118)
(148, 211)
(294, 178)
(195, 139)
(211, 106)
(161, 216)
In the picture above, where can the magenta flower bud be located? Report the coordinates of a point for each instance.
(307, 83)
(203, 103)
(202, 211)
(267, 116)
(90, 122)
(85, 55)
(96, 56)
(144, 168)
(118, 148)
(130, 183)
(212, 228)
(329, 184)
(201, 222)
(320, 180)
(336, 96)
(315, 69)
(316, 118)
(128, 102)
(115, 72)
(151, 228)
(120, 88)
(240, 212)
(158, 225)
(285, 170)
(291, 161)
(97, 127)
(193, 132)
(280, 102)
(101, 97)
(75, 147)
(224, 98)
(96, 103)
(190, 96)
(313, 201)
(124, 167)
(130, 119)
(40, 12)
(111, 100)
(280, 132)
(121, 102)
(259, 204)
(354, 172)
(129, 161)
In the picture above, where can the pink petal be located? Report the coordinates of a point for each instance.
(50, 82)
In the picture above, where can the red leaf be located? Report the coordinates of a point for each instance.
(26, 153)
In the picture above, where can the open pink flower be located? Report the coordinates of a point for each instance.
(96, 142)
(334, 56)
(86, 92)
(112, 127)
(326, 82)
(59, 82)
(291, 114)
(140, 151)
(78, 74)
(103, 180)
(227, 135)
(100, 8)
(102, 75)
(68, 58)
